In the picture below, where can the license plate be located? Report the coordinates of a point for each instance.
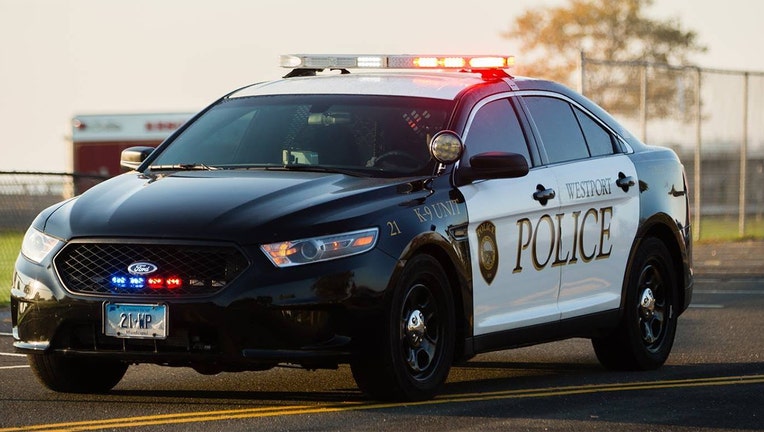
(139, 321)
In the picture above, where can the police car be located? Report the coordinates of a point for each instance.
(399, 221)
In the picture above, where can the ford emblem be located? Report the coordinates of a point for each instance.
(142, 268)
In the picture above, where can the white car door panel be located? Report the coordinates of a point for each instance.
(598, 228)
(515, 283)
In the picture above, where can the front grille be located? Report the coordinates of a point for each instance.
(181, 269)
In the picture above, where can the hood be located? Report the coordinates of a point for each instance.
(239, 206)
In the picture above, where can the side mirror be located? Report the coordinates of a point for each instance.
(446, 147)
(132, 157)
(493, 165)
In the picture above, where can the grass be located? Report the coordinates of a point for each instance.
(726, 228)
(711, 229)
(10, 244)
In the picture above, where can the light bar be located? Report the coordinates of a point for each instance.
(328, 61)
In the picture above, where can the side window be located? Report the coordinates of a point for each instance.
(600, 142)
(495, 128)
(559, 129)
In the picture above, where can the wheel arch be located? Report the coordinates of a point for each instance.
(662, 227)
(455, 264)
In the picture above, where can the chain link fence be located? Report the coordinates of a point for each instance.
(713, 119)
(22, 196)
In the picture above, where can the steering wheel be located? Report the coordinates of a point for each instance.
(402, 155)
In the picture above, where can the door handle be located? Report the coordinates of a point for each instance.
(625, 182)
(675, 193)
(543, 195)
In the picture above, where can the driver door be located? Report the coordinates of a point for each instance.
(511, 230)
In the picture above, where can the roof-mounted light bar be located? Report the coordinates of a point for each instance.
(312, 61)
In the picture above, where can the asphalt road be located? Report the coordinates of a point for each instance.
(714, 380)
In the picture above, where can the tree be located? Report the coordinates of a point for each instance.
(613, 30)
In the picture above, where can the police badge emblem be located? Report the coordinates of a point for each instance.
(488, 252)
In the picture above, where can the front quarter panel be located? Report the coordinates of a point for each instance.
(434, 221)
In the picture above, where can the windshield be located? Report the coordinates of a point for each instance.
(364, 135)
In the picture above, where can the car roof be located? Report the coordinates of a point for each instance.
(436, 85)
(444, 85)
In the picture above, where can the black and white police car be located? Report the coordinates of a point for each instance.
(398, 221)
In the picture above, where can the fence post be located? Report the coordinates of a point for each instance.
(582, 66)
(698, 140)
(743, 161)
(643, 101)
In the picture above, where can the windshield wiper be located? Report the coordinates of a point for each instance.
(183, 167)
(319, 168)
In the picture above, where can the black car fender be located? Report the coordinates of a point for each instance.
(436, 225)
(664, 213)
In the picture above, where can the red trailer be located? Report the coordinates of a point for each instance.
(97, 140)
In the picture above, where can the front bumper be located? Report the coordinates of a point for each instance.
(312, 315)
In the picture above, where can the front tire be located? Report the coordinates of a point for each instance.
(74, 375)
(412, 360)
(646, 333)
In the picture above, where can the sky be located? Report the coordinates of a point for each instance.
(61, 58)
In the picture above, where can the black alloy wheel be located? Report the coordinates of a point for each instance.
(415, 354)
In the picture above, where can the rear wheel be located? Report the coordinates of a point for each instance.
(646, 333)
(413, 359)
(75, 375)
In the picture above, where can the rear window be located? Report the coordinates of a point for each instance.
(559, 129)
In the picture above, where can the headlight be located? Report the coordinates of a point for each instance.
(310, 250)
(36, 245)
